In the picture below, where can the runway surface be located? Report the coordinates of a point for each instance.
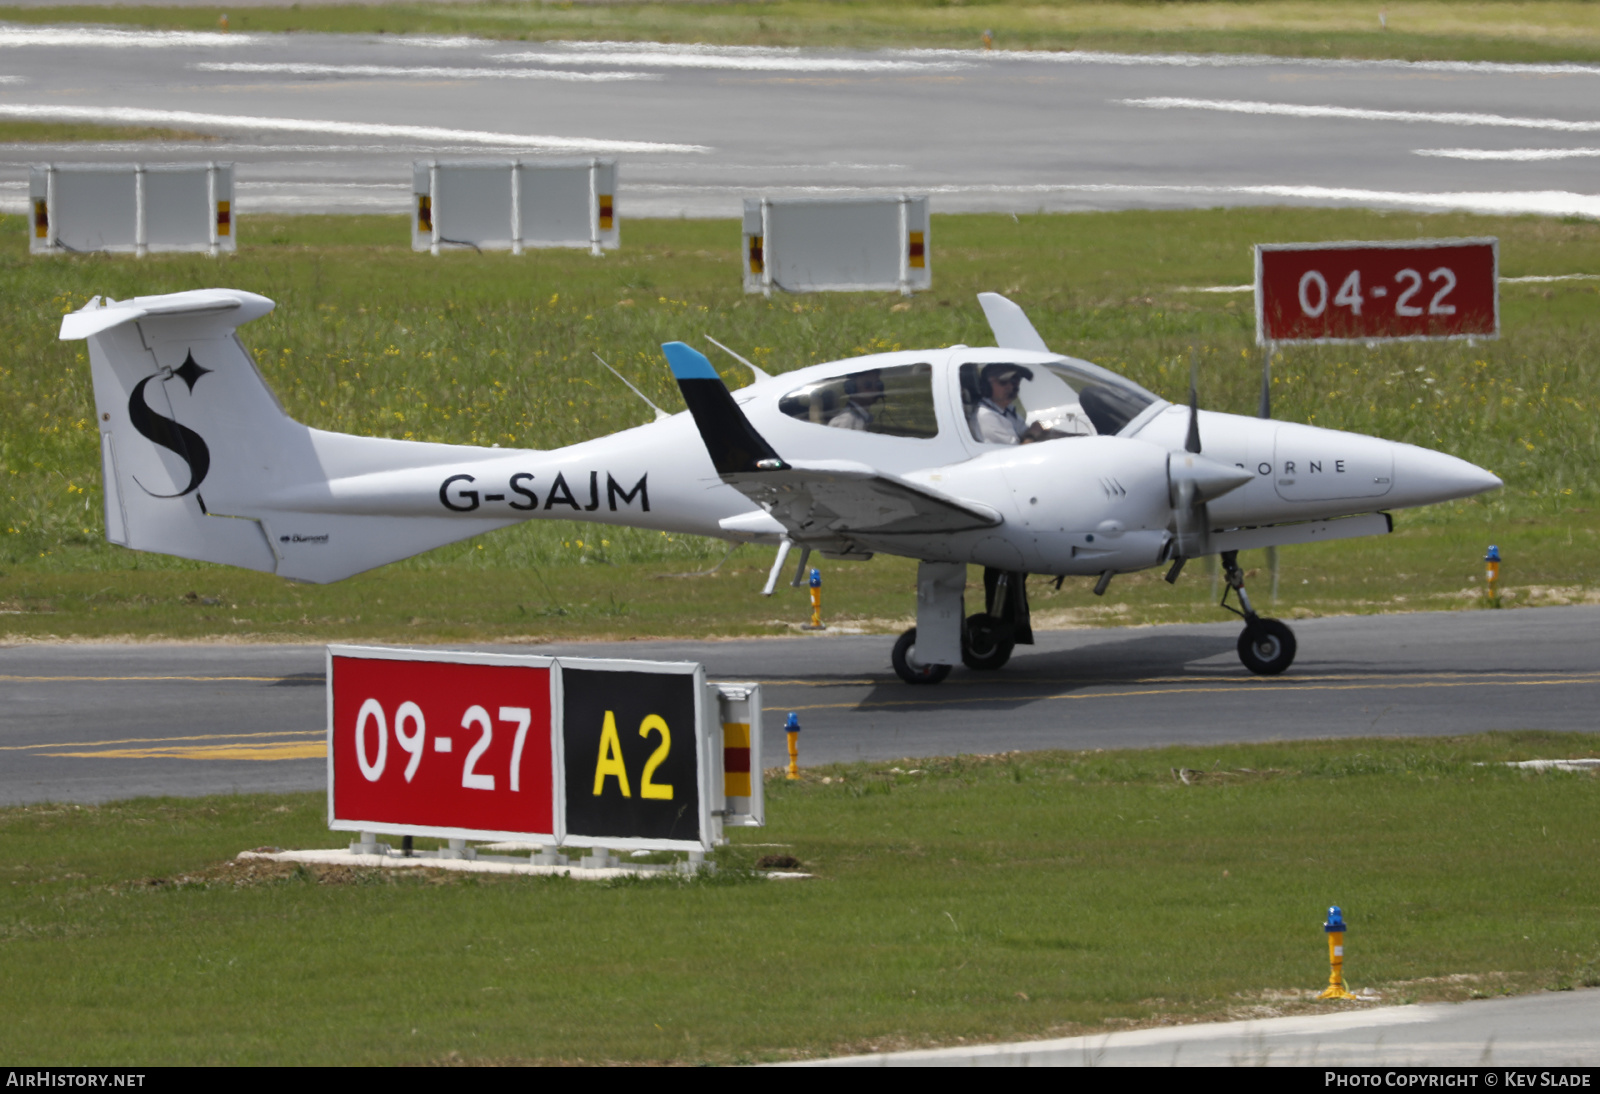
(99, 722)
(333, 122)
(1536, 1035)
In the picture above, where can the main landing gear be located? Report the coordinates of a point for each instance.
(1266, 646)
(988, 638)
(984, 640)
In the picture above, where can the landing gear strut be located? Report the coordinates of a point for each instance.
(1266, 646)
(983, 641)
(991, 635)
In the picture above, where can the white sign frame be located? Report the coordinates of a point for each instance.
(147, 204)
(702, 749)
(708, 707)
(515, 228)
(1493, 242)
(838, 259)
(458, 657)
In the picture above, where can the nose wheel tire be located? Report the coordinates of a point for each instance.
(1266, 646)
(986, 645)
(906, 665)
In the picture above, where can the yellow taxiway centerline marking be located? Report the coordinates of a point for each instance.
(1588, 678)
(154, 679)
(290, 750)
(864, 681)
(1243, 681)
(301, 733)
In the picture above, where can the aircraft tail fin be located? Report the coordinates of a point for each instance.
(1010, 324)
(155, 361)
(730, 439)
(199, 459)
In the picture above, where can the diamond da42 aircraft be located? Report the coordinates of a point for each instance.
(1012, 457)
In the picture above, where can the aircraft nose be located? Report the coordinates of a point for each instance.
(1424, 477)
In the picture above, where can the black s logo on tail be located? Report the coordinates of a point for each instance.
(189, 446)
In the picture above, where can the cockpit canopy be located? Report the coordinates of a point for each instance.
(1051, 399)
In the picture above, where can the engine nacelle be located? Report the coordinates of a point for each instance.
(1079, 505)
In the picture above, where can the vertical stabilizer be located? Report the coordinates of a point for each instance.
(1010, 324)
(156, 362)
(200, 460)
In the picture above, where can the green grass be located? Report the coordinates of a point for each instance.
(976, 898)
(15, 132)
(1508, 30)
(370, 338)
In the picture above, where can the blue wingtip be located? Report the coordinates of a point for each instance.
(688, 363)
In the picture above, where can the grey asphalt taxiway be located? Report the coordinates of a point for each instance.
(1529, 1040)
(97, 722)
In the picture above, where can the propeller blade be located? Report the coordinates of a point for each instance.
(1192, 444)
(1192, 481)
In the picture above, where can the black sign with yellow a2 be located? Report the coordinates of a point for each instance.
(630, 742)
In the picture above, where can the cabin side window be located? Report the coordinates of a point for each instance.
(895, 400)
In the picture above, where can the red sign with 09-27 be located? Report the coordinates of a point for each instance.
(441, 746)
(1365, 292)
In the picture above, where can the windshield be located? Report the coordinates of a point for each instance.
(1010, 403)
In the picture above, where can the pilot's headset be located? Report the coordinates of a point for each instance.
(1002, 369)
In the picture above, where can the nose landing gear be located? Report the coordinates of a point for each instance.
(908, 668)
(1266, 646)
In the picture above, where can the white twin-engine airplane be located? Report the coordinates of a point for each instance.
(1014, 458)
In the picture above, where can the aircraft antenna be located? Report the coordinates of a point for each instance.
(1193, 442)
(761, 374)
(660, 414)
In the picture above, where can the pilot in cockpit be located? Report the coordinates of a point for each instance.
(862, 390)
(996, 420)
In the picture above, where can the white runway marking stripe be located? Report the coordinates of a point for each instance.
(1537, 279)
(1297, 110)
(1515, 202)
(413, 72)
(130, 115)
(108, 38)
(1245, 60)
(1514, 155)
(753, 59)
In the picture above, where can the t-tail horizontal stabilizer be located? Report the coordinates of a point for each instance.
(200, 460)
(730, 439)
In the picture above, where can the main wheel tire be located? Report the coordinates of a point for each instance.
(1267, 647)
(986, 643)
(906, 666)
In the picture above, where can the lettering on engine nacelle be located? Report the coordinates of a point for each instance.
(1312, 467)
(464, 499)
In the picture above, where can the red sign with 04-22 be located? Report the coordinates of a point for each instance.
(1363, 292)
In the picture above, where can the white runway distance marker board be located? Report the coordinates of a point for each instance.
(511, 205)
(866, 244)
(131, 208)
